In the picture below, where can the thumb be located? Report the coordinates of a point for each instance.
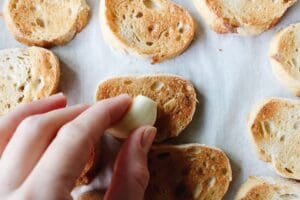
(131, 175)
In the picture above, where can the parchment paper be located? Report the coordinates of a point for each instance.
(231, 74)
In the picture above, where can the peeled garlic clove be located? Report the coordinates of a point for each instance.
(143, 111)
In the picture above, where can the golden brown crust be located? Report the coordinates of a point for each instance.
(187, 172)
(242, 17)
(175, 96)
(273, 126)
(267, 188)
(284, 56)
(91, 168)
(35, 24)
(48, 67)
(157, 30)
(27, 74)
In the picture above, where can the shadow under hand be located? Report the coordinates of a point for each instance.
(191, 133)
(69, 83)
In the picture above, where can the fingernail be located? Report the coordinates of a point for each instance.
(148, 137)
(57, 95)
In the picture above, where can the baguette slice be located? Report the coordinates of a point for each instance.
(156, 30)
(285, 57)
(90, 169)
(274, 126)
(176, 99)
(26, 75)
(267, 188)
(243, 17)
(191, 171)
(45, 22)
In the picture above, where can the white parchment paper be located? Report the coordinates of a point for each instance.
(231, 74)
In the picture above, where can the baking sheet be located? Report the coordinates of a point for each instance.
(231, 74)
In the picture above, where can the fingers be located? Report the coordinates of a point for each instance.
(131, 175)
(30, 141)
(9, 122)
(67, 155)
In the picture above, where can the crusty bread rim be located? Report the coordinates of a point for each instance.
(116, 42)
(252, 119)
(60, 40)
(140, 76)
(282, 75)
(254, 181)
(57, 69)
(52, 56)
(183, 146)
(217, 24)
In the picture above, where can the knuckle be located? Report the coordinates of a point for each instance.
(73, 133)
(33, 123)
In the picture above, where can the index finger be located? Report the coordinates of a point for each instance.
(10, 121)
(69, 152)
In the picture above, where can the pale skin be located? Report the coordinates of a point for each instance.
(34, 136)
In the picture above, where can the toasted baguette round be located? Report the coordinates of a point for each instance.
(176, 99)
(243, 17)
(26, 75)
(156, 30)
(267, 188)
(274, 126)
(45, 22)
(191, 171)
(90, 169)
(285, 57)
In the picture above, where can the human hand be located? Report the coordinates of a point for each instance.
(45, 145)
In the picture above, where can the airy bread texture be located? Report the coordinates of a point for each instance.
(191, 171)
(274, 126)
(243, 17)
(26, 75)
(267, 188)
(45, 22)
(153, 29)
(285, 57)
(175, 96)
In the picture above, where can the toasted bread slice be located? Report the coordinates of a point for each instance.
(191, 171)
(175, 96)
(267, 188)
(274, 127)
(243, 17)
(91, 168)
(157, 30)
(26, 75)
(285, 57)
(45, 22)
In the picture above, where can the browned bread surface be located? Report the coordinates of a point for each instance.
(285, 57)
(274, 128)
(243, 17)
(25, 75)
(45, 22)
(267, 188)
(175, 96)
(157, 29)
(91, 168)
(189, 172)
